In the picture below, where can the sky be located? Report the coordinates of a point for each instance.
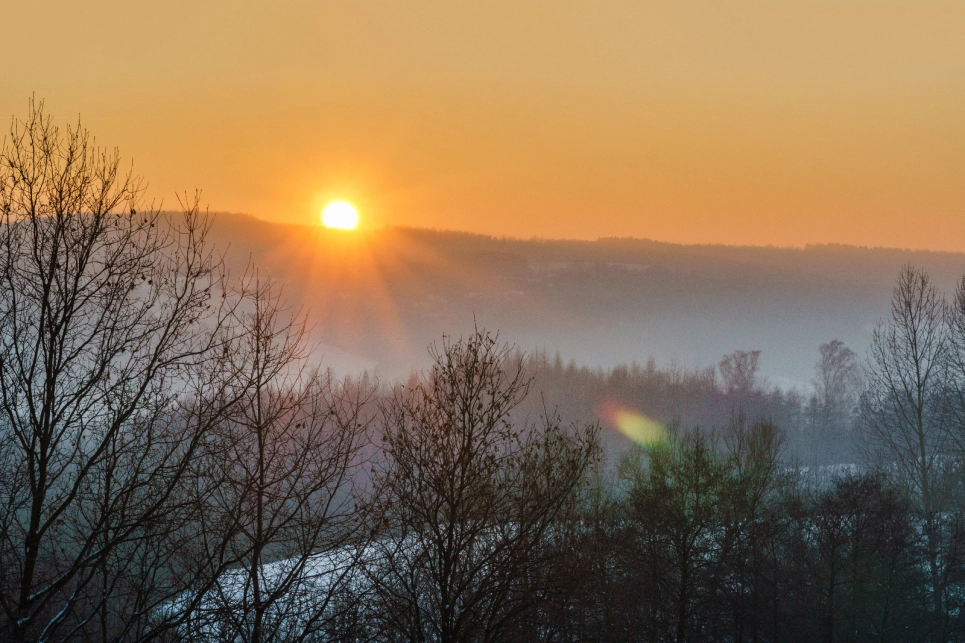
(757, 123)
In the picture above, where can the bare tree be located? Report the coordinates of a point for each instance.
(957, 362)
(699, 521)
(837, 385)
(739, 372)
(281, 472)
(469, 497)
(855, 559)
(755, 483)
(905, 412)
(108, 316)
(838, 377)
(676, 494)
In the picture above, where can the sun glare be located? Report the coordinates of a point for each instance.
(341, 215)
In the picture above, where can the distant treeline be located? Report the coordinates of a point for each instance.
(818, 425)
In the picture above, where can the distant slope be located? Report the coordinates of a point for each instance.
(377, 298)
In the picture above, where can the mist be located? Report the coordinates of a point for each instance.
(375, 300)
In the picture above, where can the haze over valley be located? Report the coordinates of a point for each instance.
(376, 298)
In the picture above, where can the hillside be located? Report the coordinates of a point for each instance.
(376, 298)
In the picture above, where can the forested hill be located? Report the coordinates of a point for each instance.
(377, 298)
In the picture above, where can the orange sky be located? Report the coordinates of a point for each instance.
(714, 121)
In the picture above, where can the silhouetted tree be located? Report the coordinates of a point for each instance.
(906, 416)
(856, 561)
(837, 386)
(739, 372)
(469, 498)
(753, 526)
(594, 600)
(109, 324)
(957, 363)
(698, 537)
(279, 476)
(676, 496)
(838, 377)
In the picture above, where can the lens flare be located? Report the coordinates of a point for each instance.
(631, 423)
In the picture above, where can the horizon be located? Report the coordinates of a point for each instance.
(362, 229)
(693, 123)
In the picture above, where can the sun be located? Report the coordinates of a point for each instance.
(341, 215)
